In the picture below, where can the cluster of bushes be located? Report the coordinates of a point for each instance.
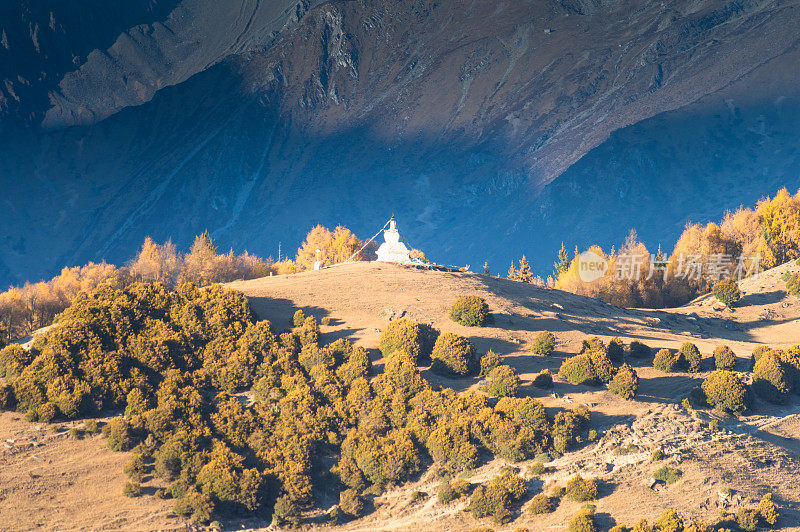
(687, 358)
(792, 280)
(32, 306)
(776, 372)
(171, 359)
(727, 292)
(498, 498)
(593, 365)
(470, 311)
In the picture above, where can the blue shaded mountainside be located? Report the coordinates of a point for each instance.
(489, 131)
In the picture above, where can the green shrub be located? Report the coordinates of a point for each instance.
(470, 311)
(790, 359)
(132, 489)
(768, 513)
(7, 399)
(581, 490)
(669, 521)
(498, 497)
(503, 381)
(666, 360)
(578, 370)
(286, 512)
(616, 350)
(489, 361)
(91, 426)
(450, 491)
(198, 505)
(667, 475)
(747, 519)
(135, 468)
(770, 380)
(453, 354)
(757, 353)
(603, 367)
(657, 455)
(326, 321)
(792, 281)
(583, 521)
(724, 357)
(691, 357)
(725, 392)
(544, 344)
(541, 504)
(46, 412)
(637, 349)
(119, 434)
(625, 383)
(350, 503)
(727, 292)
(537, 468)
(401, 335)
(543, 379)
(299, 318)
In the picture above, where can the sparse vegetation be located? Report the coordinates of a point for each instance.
(470, 311)
(544, 344)
(449, 491)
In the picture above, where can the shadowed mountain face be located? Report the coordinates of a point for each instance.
(489, 129)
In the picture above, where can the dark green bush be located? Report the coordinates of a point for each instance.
(616, 350)
(453, 354)
(135, 468)
(132, 489)
(470, 311)
(727, 292)
(724, 357)
(691, 357)
(725, 392)
(757, 353)
(119, 434)
(666, 360)
(541, 504)
(583, 521)
(637, 349)
(7, 399)
(770, 380)
(401, 335)
(498, 497)
(578, 370)
(667, 475)
(503, 381)
(544, 344)
(350, 503)
(625, 383)
(299, 318)
(489, 361)
(543, 379)
(450, 491)
(581, 490)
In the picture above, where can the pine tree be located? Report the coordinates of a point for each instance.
(486, 270)
(524, 273)
(562, 265)
(512, 273)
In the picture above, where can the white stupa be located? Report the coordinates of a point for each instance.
(392, 250)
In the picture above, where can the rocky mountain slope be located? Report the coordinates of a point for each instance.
(484, 127)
